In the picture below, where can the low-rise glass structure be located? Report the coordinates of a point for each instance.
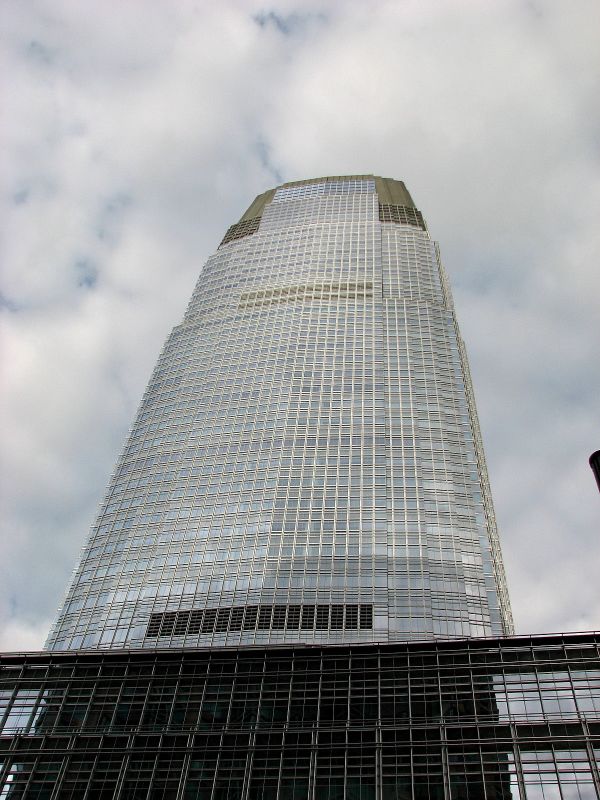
(514, 718)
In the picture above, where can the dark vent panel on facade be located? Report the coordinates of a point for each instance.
(403, 215)
(244, 228)
(261, 618)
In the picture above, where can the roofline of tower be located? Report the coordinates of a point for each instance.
(389, 191)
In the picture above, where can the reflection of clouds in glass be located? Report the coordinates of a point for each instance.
(550, 774)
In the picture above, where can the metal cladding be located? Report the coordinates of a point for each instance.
(306, 464)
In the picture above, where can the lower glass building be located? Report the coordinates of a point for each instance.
(498, 719)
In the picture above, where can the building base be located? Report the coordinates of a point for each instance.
(485, 719)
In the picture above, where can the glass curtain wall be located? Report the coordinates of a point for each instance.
(306, 463)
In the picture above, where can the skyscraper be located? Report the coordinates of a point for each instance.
(306, 463)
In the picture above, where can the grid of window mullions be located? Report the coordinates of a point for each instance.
(319, 188)
(282, 719)
(462, 695)
(330, 364)
(333, 765)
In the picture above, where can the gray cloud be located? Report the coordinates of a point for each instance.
(288, 24)
(138, 132)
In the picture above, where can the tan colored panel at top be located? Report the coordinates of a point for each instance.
(389, 191)
(393, 192)
(258, 206)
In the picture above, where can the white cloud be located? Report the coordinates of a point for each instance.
(21, 638)
(138, 132)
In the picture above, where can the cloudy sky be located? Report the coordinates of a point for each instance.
(136, 132)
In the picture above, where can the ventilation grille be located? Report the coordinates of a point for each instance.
(349, 290)
(261, 618)
(241, 229)
(403, 215)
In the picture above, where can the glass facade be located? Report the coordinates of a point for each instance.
(306, 464)
(509, 719)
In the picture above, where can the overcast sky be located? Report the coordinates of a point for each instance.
(136, 132)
